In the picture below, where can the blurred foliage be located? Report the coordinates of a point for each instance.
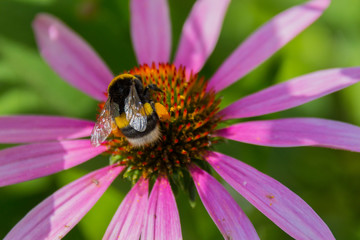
(328, 180)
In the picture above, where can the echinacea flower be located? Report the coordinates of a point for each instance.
(185, 147)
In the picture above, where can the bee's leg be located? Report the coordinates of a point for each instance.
(152, 87)
(115, 130)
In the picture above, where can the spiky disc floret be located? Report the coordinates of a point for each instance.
(186, 137)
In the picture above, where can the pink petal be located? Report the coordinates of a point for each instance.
(200, 33)
(128, 219)
(54, 217)
(151, 30)
(266, 41)
(225, 212)
(21, 129)
(26, 162)
(71, 57)
(292, 93)
(162, 221)
(294, 132)
(277, 202)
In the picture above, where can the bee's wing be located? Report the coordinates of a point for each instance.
(134, 110)
(102, 128)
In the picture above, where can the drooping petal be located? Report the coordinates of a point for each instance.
(22, 129)
(151, 30)
(71, 57)
(128, 219)
(277, 202)
(225, 212)
(54, 217)
(266, 41)
(162, 220)
(294, 132)
(292, 93)
(200, 33)
(26, 162)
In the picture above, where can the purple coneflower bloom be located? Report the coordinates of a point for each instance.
(185, 147)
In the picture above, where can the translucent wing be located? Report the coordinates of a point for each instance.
(134, 111)
(102, 128)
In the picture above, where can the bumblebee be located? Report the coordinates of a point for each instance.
(129, 108)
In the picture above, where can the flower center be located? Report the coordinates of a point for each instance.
(185, 137)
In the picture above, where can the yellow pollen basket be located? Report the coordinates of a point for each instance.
(162, 113)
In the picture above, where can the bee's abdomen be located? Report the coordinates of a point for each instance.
(151, 133)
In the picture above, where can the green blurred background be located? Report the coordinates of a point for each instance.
(328, 180)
